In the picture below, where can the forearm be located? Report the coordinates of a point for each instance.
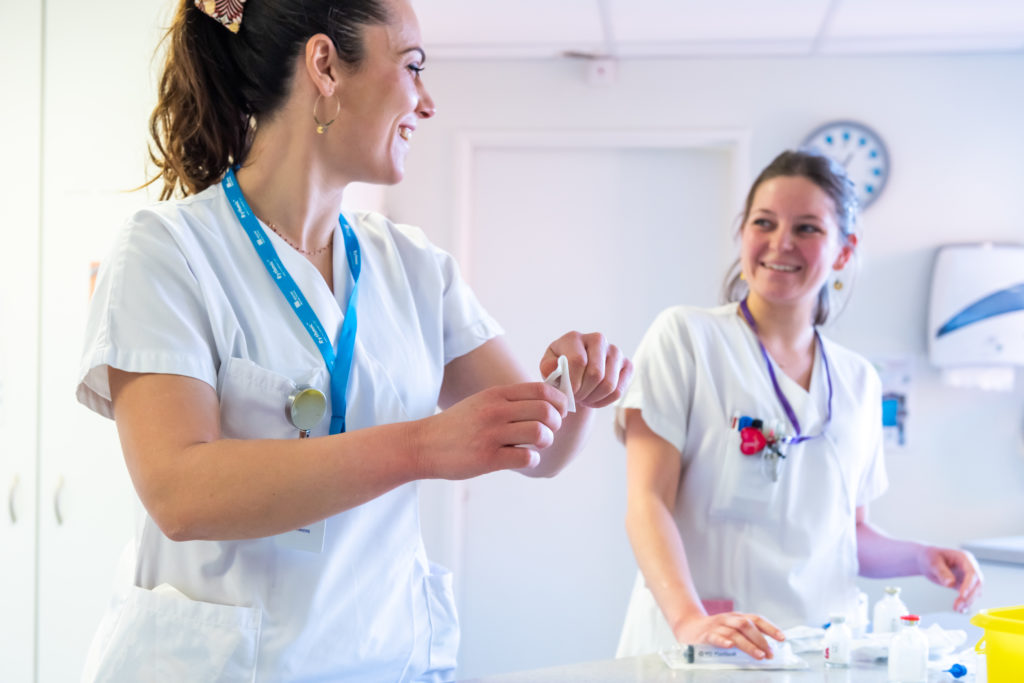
(235, 489)
(568, 442)
(881, 556)
(661, 556)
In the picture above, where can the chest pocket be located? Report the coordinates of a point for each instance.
(254, 401)
(744, 490)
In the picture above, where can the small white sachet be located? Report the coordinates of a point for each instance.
(559, 379)
(805, 638)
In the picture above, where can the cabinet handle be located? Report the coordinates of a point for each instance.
(12, 496)
(56, 501)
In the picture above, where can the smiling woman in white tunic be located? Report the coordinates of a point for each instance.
(754, 444)
(279, 546)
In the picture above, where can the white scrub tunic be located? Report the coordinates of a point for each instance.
(788, 549)
(184, 292)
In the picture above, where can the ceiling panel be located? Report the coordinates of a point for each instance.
(459, 29)
(932, 19)
(542, 28)
(703, 21)
(873, 26)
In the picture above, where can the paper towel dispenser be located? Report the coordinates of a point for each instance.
(976, 316)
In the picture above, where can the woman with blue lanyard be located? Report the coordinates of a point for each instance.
(275, 367)
(754, 444)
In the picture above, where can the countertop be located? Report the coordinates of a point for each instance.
(651, 669)
(1008, 549)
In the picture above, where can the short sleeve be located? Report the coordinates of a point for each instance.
(663, 381)
(147, 314)
(467, 324)
(874, 479)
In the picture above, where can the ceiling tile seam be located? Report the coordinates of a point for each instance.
(825, 27)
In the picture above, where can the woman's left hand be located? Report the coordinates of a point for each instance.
(598, 370)
(955, 569)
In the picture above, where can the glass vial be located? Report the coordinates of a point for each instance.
(859, 619)
(838, 643)
(908, 653)
(888, 611)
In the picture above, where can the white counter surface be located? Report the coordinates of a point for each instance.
(651, 669)
(1008, 549)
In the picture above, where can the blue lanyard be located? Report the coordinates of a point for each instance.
(790, 413)
(339, 365)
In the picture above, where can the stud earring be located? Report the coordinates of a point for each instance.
(321, 126)
(837, 285)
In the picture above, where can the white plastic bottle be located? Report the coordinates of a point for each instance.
(888, 611)
(838, 643)
(908, 653)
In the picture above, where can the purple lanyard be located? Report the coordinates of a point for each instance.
(775, 382)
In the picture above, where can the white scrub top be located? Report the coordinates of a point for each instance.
(184, 292)
(786, 550)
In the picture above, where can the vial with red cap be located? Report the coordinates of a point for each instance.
(908, 652)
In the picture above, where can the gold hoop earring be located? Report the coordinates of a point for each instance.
(321, 126)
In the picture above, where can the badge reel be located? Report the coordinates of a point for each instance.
(306, 408)
(766, 443)
(771, 461)
(774, 453)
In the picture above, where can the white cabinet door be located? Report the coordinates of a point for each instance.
(20, 49)
(98, 94)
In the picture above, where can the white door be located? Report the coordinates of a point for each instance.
(98, 95)
(588, 239)
(21, 45)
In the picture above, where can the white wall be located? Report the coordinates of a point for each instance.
(952, 125)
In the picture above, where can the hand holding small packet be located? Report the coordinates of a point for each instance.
(559, 379)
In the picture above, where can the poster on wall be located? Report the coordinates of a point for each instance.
(897, 375)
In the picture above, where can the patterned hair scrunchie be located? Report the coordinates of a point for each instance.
(227, 12)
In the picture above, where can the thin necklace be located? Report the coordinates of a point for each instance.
(311, 252)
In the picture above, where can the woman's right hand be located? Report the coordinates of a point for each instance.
(730, 629)
(499, 428)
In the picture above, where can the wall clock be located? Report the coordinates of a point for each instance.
(860, 150)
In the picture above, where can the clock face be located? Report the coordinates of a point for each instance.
(861, 152)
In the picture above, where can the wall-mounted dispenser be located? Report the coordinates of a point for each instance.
(976, 316)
